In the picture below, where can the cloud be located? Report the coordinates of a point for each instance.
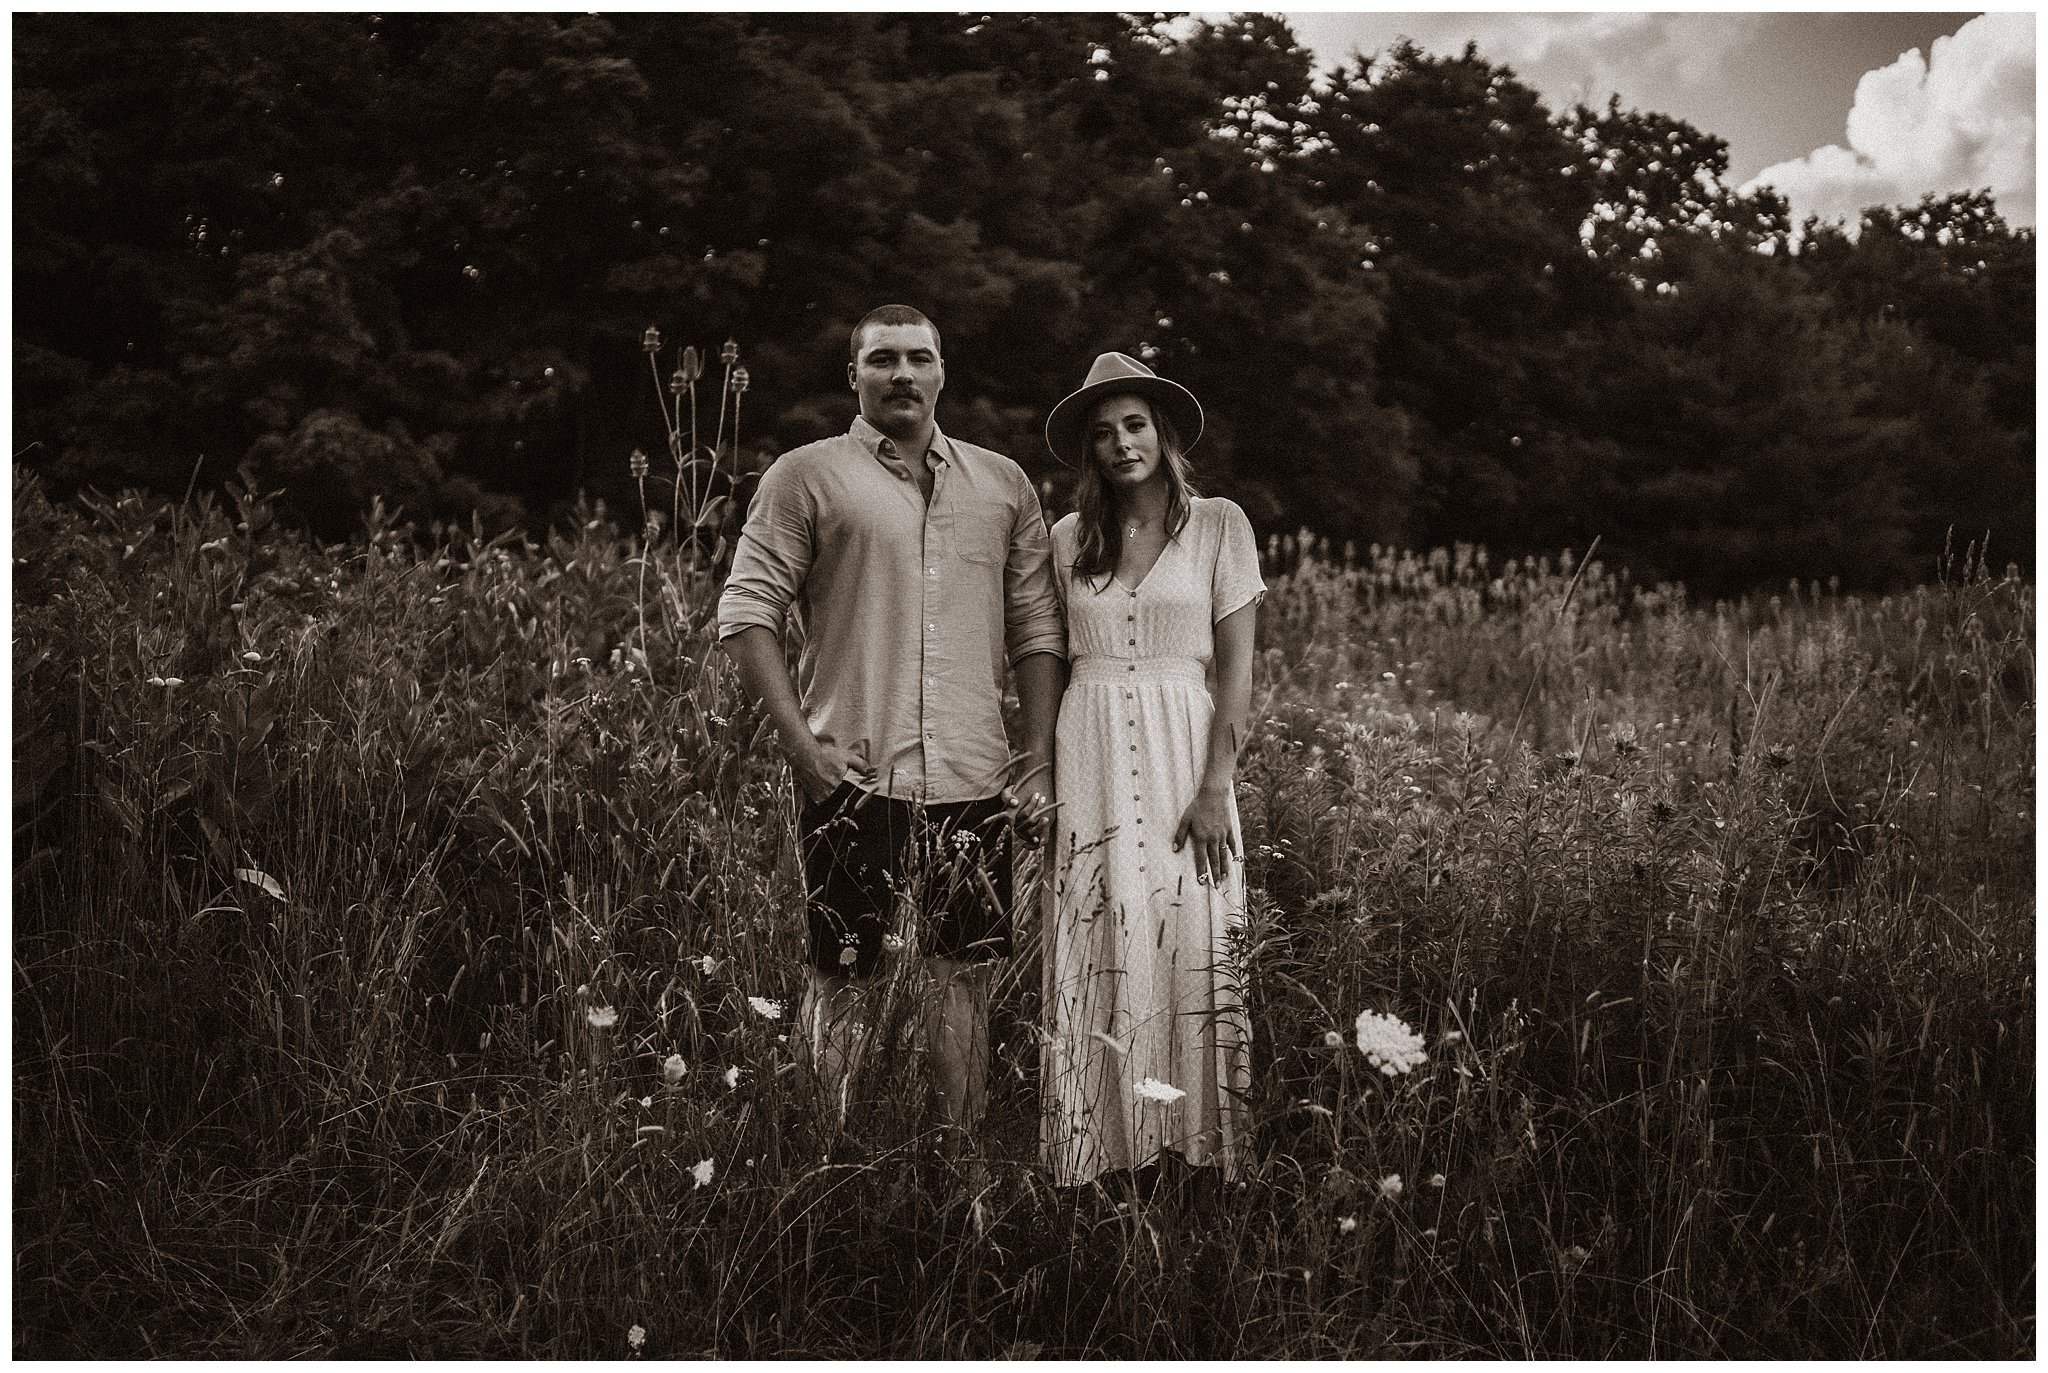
(1959, 119)
(1570, 57)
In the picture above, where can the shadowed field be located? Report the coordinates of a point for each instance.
(406, 943)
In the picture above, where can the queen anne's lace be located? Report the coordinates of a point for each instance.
(1388, 1044)
(1152, 1089)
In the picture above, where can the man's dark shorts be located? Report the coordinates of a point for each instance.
(861, 850)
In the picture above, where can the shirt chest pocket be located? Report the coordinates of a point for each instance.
(981, 537)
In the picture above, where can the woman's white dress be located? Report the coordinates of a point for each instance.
(1138, 977)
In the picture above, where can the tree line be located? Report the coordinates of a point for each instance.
(415, 255)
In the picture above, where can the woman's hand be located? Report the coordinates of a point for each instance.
(1207, 826)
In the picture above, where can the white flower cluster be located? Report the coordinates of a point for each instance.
(1165, 1093)
(1388, 1044)
(772, 1010)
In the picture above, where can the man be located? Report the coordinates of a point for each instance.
(918, 566)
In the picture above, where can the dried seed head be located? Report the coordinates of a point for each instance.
(739, 381)
(693, 365)
(637, 464)
(730, 353)
(651, 340)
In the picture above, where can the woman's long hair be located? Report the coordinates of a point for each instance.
(1099, 505)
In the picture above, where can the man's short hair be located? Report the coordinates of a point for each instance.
(891, 314)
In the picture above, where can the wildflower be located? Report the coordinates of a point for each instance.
(1390, 1186)
(171, 682)
(1436, 1179)
(1388, 1044)
(770, 1010)
(252, 656)
(1450, 1036)
(651, 340)
(732, 1076)
(708, 964)
(1347, 1225)
(893, 943)
(849, 956)
(601, 1017)
(156, 681)
(1165, 1093)
(703, 1172)
(646, 1102)
(636, 1337)
(1778, 756)
(1332, 1040)
(673, 1068)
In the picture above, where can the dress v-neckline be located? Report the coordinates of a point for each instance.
(1157, 558)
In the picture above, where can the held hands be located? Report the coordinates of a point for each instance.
(1207, 826)
(1030, 801)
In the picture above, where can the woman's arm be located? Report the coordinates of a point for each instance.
(1207, 821)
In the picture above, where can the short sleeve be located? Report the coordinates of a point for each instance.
(1032, 617)
(772, 557)
(1234, 582)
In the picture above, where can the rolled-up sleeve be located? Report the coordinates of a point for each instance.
(772, 557)
(1032, 622)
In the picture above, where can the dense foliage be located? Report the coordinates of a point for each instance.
(405, 939)
(412, 255)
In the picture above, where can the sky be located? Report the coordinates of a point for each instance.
(1837, 110)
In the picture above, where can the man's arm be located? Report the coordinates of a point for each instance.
(1041, 681)
(819, 766)
(769, 566)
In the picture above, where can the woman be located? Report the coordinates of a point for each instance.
(1148, 1049)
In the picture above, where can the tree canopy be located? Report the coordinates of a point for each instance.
(413, 255)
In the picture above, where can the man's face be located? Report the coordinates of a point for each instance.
(898, 376)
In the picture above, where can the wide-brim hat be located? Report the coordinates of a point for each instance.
(1117, 374)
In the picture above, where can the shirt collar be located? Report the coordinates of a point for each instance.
(872, 439)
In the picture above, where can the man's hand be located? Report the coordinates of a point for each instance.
(1206, 825)
(820, 768)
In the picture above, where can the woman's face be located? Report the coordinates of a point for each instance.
(1124, 443)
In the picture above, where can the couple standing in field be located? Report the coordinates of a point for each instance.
(918, 568)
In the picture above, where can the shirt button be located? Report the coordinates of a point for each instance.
(1132, 642)
(1141, 843)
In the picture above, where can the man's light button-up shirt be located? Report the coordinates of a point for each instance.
(897, 662)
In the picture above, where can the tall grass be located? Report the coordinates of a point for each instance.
(363, 893)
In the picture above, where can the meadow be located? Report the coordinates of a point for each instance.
(406, 959)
